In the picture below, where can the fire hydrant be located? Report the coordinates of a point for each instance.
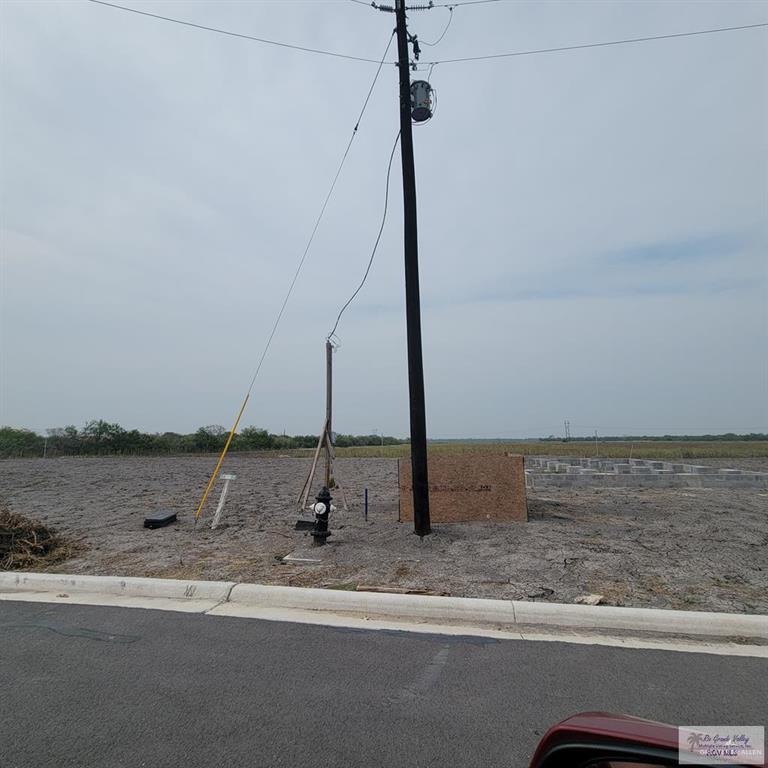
(322, 511)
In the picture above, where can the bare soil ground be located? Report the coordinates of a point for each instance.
(698, 549)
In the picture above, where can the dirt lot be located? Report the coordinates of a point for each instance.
(698, 549)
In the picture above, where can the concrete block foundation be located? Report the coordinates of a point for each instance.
(634, 473)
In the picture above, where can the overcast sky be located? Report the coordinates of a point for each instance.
(593, 224)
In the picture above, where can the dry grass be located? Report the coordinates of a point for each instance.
(652, 449)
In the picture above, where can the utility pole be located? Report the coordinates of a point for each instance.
(419, 474)
(328, 409)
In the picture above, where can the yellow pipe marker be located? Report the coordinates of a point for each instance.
(221, 459)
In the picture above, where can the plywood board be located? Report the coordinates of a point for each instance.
(469, 488)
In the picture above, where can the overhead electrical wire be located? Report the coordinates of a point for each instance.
(598, 45)
(233, 34)
(464, 2)
(439, 39)
(293, 282)
(486, 57)
(376, 244)
(320, 215)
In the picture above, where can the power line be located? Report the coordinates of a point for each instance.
(333, 54)
(599, 45)
(223, 454)
(376, 244)
(233, 34)
(450, 19)
(466, 2)
(320, 215)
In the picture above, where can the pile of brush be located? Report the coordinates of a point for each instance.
(25, 543)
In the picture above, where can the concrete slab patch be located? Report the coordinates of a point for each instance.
(303, 557)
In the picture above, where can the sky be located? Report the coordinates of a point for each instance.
(593, 224)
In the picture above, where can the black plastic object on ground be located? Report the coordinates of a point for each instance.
(159, 519)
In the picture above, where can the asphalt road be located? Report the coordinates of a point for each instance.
(107, 687)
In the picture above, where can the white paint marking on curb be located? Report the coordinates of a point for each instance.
(504, 619)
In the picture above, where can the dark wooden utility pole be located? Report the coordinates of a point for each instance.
(328, 411)
(412, 300)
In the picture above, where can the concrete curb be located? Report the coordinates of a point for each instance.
(380, 604)
(507, 614)
(172, 589)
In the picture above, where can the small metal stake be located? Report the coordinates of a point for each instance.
(366, 505)
(220, 506)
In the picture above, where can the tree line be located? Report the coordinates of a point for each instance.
(102, 438)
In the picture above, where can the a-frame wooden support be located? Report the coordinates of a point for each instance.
(325, 441)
